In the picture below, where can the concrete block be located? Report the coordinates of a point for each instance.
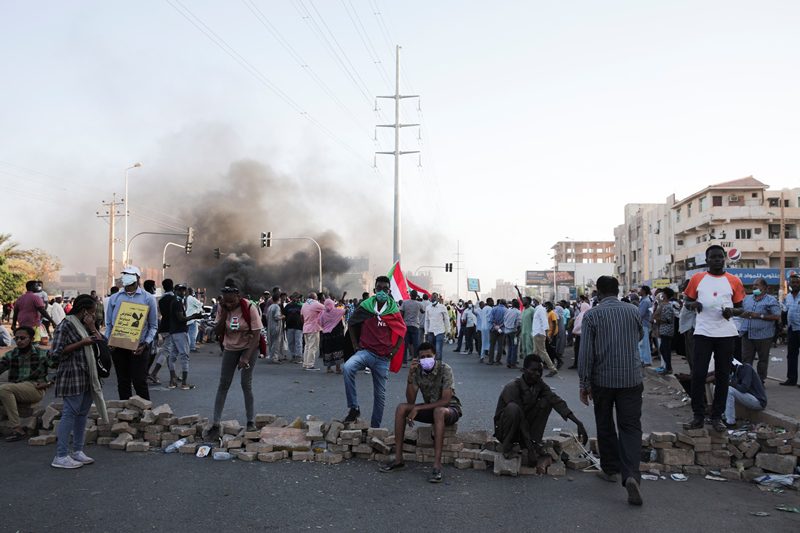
(270, 457)
(380, 433)
(285, 438)
(557, 469)
(578, 464)
(379, 446)
(507, 467)
(41, 440)
(463, 464)
(676, 456)
(350, 434)
(264, 419)
(477, 464)
(245, 456)
(476, 438)
(329, 458)
(751, 473)
(697, 432)
(121, 441)
(780, 464)
(314, 431)
(230, 427)
(162, 411)
(148, 417)
(694, 470)
(661, 445)
(358, 424)
(50, 414)
(487, 455)
(137, 446)
(730, 473)
(128, 415)
(709, 459)
(258, 447)
(123, 427)
(188, 420)
(188, 449)
(90, 436)
(303, 456)
(139, 403)
(662, 436)
(424, 436)
(110, 404)
(334, 429)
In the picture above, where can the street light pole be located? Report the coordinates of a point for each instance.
(127, 212)
(319, 250)
(164, 257)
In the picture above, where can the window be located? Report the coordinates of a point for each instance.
(785, 202)
(754, 195)
(633, 255)
(678, 215)
(773, 202)
(774, 231)
(660, 251)
(790, 231)
(701, 204)
(744, 234)
(716, 201)
(689, 210)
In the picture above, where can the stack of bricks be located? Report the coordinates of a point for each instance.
(735, 455)
(136, 426)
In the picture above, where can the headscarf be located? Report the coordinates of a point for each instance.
(330, 316)
(84, 301)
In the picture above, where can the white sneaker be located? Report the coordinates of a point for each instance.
(65, 462)
(82, 458)
(367, 371)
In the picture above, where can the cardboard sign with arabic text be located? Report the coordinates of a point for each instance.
(128, 326)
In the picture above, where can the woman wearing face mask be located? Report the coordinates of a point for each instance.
(77, 381)
(761, 312)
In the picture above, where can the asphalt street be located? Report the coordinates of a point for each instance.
(158, 492)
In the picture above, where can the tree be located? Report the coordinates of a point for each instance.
(18, 266)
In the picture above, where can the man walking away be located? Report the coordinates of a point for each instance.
(274, 329)
(611, 376)
(539, 331)
(645, 317)
(193, 307)
(294, 327)
(511, 323)
(470, 325)
(413, 312)
(496, 337)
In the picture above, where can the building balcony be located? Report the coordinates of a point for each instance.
(727, 214)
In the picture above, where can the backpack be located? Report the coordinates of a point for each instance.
(244, 304)
(102, 358)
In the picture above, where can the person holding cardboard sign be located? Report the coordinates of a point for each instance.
(131, 326)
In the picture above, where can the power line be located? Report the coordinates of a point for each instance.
(262, 18)
(367, 42)
(206, 30)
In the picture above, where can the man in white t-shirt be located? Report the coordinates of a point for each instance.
(716, 296)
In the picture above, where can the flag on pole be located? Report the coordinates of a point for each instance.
(398, 283)
(414, 286)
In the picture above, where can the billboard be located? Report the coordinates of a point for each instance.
(749, 275)
(545, 277)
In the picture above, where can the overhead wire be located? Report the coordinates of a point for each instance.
(223, 45)
(366, 41)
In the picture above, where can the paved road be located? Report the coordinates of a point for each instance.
(153, 491)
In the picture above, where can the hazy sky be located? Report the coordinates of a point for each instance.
(541, 119)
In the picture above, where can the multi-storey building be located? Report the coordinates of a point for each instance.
(584, 251)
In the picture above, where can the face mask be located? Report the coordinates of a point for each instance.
(427, 363)
(756, 292)
(128, 279)
(381, 296)
(470, 306)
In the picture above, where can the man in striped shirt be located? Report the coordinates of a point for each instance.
(610, 374)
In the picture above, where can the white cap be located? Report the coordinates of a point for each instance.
(130, 269)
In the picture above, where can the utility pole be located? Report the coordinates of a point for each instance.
(111, 213)
(782, 282)
(458, 269)
(397, 153)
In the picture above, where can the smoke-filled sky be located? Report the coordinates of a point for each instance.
(540, 119)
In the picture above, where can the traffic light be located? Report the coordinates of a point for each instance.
(189, 240)
(216, 253)
(266, 239)
(448, 267)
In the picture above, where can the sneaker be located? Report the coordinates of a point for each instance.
(65, 462)
(153, 380)
(463, 353)
(391, 467)
(251, 427)
(173, 384)
(352, 415)
(82, 458)
(310, 368)
(551, 373)
(186, 386)
(787, 383)
(436, 476)
(696, 422)
(634, 494)
(367, 371)
(211, 433)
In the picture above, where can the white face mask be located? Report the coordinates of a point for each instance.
(128, 279)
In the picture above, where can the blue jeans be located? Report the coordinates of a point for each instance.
(73, 421)
(644, 346)
(179, 350)
(294, 339)
(193, 335)
(412, 341)
(438, 342)
(511, 357)
(380, 372)
(744, 398)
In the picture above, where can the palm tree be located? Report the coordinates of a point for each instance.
(9, 249)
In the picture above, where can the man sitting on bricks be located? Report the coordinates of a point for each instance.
(522, 412)
(441, 408)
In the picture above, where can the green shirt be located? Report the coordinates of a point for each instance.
(431, 384)
(31, 366)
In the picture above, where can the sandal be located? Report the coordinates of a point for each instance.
(391, 467)
(436, 476)
(15, 436)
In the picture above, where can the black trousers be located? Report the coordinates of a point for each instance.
(470, 334)
(131, 370)
(496, 340)
(665, 349)
(478, 341)
(792, 351)
(513, 427)
(722, 349)
(620, 445)
(461, 332)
